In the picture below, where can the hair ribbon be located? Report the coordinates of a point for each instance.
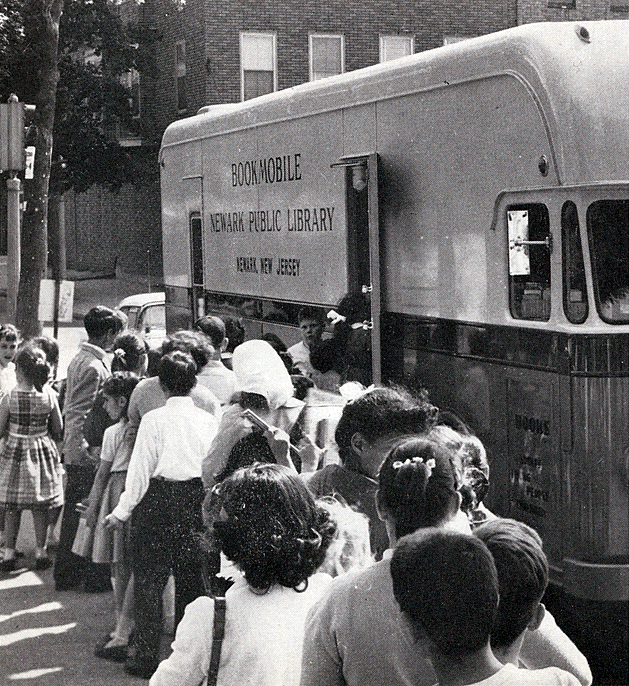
(430, 463)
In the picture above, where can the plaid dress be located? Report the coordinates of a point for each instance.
(30, 468)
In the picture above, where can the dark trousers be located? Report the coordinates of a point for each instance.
(70, 569)
(164, 529)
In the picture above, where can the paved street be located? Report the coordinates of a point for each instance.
(48, 637)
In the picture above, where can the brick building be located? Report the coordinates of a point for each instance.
(211, 53)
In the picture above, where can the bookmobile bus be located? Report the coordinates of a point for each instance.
(480, 193)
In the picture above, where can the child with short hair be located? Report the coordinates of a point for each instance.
(86, 372)
(114, 547)
(369, 425)
(446, 584)
(30, 466)
(522, 578)
(9, 341)
(311, 322)
(163, 494)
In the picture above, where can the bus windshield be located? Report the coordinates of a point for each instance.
(608, 231)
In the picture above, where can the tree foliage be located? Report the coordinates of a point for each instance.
(66, 57)
(95, 50)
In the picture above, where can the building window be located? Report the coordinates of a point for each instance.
(258, 64)
(131, 81)
(392, 47)
(562, 4)
(180, 76)
(327, 56)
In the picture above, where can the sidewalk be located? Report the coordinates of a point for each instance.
(47, 638)
(93, 288)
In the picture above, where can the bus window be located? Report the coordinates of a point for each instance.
(529, 280)
(608, 229)
(575, 301)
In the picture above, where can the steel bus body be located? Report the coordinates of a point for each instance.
(473, 190)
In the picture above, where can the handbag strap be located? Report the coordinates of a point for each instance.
(218, 632)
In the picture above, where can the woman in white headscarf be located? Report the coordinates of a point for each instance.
(265, 387)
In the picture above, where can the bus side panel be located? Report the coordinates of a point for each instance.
(536, 481)
(599, 507)
(446, 154)
(307, 250)
(179, 162)
(515, 412)
(232, 247)
(275, 211)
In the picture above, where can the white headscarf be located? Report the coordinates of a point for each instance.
(259, 369)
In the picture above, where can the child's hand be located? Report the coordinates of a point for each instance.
(112, 522)
(279, 442)
(90, 515)
(310, 455)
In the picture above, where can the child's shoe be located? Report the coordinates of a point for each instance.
(9, 565)
(43, 562)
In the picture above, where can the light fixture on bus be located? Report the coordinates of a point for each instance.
(359, 177)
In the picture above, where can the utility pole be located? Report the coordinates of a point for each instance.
(12, 160)
(13, 245)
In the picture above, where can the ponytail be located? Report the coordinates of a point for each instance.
(31, 361)
(417, 485)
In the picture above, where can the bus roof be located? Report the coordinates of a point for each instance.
(576, 72)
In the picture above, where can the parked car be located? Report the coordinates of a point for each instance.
(147, 316)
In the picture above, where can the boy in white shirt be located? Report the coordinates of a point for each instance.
(446, 584)
(164, 492)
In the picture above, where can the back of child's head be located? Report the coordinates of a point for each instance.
(121, 385)
(101, 320)
(446, 584)
(313, 314)
(272, 528)
(213, 328)
(522, 575)
(193, 343)
(417, 485)
(350, 548)
(177, 372)
(274, 341)
(9, 333)
(130, 351)
(381, 412)
(470, 462)
(31, 362)
(49, 346)
(235, 332)
(354, 307)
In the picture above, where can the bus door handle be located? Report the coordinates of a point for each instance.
(548, 242)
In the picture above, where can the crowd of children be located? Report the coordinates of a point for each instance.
(378, 565)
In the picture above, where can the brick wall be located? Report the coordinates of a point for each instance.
(212, 30)
(571, 10)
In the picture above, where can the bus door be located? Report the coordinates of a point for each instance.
(363, 241)
(536, 378)
(193, 193)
